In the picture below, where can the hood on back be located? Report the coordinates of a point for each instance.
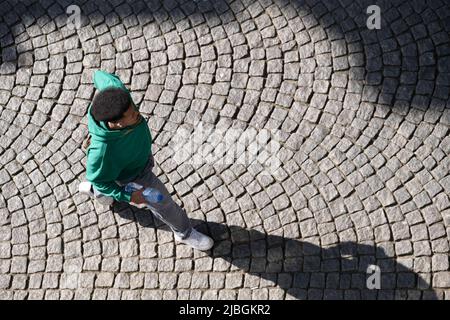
(103, 80)
(98, 129)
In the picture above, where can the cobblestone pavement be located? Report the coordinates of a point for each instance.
(363, 118)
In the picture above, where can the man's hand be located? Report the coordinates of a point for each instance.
(137, 197)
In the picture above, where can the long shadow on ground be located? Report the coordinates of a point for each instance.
(302, 269)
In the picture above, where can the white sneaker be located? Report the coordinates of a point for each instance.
(197, 241)
(85, 187)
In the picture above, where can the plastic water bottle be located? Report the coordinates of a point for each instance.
(150, 194)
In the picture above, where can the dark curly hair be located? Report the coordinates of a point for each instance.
(110, 104)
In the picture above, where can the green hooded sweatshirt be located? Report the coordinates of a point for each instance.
(115, 154)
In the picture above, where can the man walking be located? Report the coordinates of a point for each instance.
(120, 152)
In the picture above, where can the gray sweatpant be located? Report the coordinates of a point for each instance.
(167, 210)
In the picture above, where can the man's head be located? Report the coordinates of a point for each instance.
(114, 106)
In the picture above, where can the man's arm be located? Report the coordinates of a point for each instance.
(102, 174)
(112, 189)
